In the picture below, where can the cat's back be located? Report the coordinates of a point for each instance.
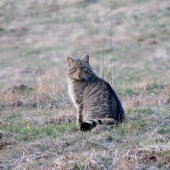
(100, 100)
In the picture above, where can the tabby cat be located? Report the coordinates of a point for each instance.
(95, 100)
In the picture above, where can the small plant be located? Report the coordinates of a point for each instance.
(128, 92)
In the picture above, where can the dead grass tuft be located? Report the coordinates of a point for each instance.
(156, 153)
(64, 162)
(5, 141)
(124, 164)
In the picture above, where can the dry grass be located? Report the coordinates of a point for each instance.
(45, 134)
(129, 45)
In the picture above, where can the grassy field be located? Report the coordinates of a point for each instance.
(128, 42)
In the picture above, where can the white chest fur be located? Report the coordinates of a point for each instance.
(72, 95)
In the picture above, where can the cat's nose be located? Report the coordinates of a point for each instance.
(79, 73)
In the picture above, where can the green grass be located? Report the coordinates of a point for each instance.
(37, 133)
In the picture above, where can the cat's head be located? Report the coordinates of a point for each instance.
(79, 69)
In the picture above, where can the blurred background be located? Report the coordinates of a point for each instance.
(127, 39)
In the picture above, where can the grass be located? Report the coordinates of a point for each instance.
(47, 136)
(128, 42)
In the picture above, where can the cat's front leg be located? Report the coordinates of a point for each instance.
(80, 115)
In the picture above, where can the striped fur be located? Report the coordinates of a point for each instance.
(90, 124)
(95, 100)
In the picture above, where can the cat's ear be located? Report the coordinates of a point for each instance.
(86, 58)
(69, 60)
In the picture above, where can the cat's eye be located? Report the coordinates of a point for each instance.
(81, 69)
(73, 69)
(84, 68)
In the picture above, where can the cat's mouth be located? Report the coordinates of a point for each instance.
(79, 77)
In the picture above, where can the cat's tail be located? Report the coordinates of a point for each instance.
(90, 124)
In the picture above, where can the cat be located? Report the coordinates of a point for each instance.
(95, 100)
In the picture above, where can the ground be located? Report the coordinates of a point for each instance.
(128, 43)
